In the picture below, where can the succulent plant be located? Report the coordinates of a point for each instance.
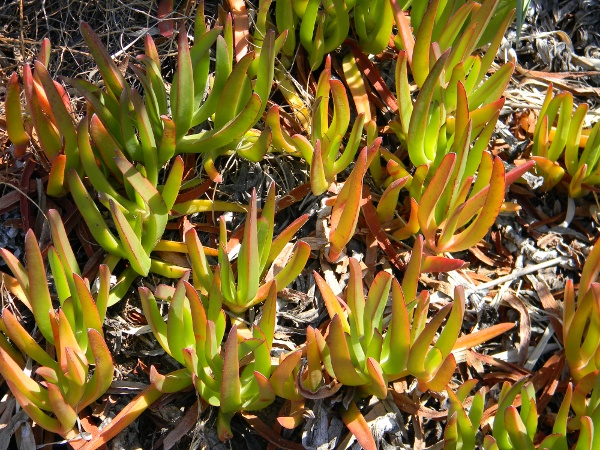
(430, 127)
(247, 286)
(399, 343)
(48, 113)
(194, 335)
(559, 132)
(75, 331)
(581, 319)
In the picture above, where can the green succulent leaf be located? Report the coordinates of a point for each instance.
(108, 69)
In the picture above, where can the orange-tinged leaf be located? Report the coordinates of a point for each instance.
(389, 200)
(91, 316)
(108, 69)
(294, 266)
(481, 336)
(375, 303)
(420, 349)
(358, 426)
(231, 399)
(22, 384)
(486, 217)
(73, 364)
(49, 423)
(48, 136)
(404, 30)
(22, 340)
(405, 105)
(103, 372)
(586, 434)
(19, 285)
(284, 237)
(432, 194)
(591, 269)
(14, 119)
(63, 411)
(265, 396)
(43, 55)
(552, 171)
(282, 379)
(575, 186)
(341, 112)
(357, 86)
(60, 241)
(182, 91)
(56, 177)
(172, 382)
(60, 114)
(318, 180)
(412, 226)
(378, 386)
(344, 215)
(39, 294)
(235, 92)
(295, 416)
(314, 375)
(396, 345)
(137, 256)
(440, 264)
(125, 417)
(248, 258)
(342, 364)
(443, 375)
(332, 303)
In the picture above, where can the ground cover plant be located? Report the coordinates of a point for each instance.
(300, 224)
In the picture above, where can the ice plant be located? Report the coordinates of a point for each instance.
(585, 403)
(517, 428)
(244, 284)
(581, 319)
(236, 101)
(373, 21)
(399, 344)
(30, 287)
(445, 197)
(560, 132)
(323, 25)
(159, 385)
(321, 151)
(232, 372)
(366, 348)
(75, 331)
(462, 26)
(452, 201)
(140, 216)
(462, 425)
(441, 64)
(48, 113)
(344, 214)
